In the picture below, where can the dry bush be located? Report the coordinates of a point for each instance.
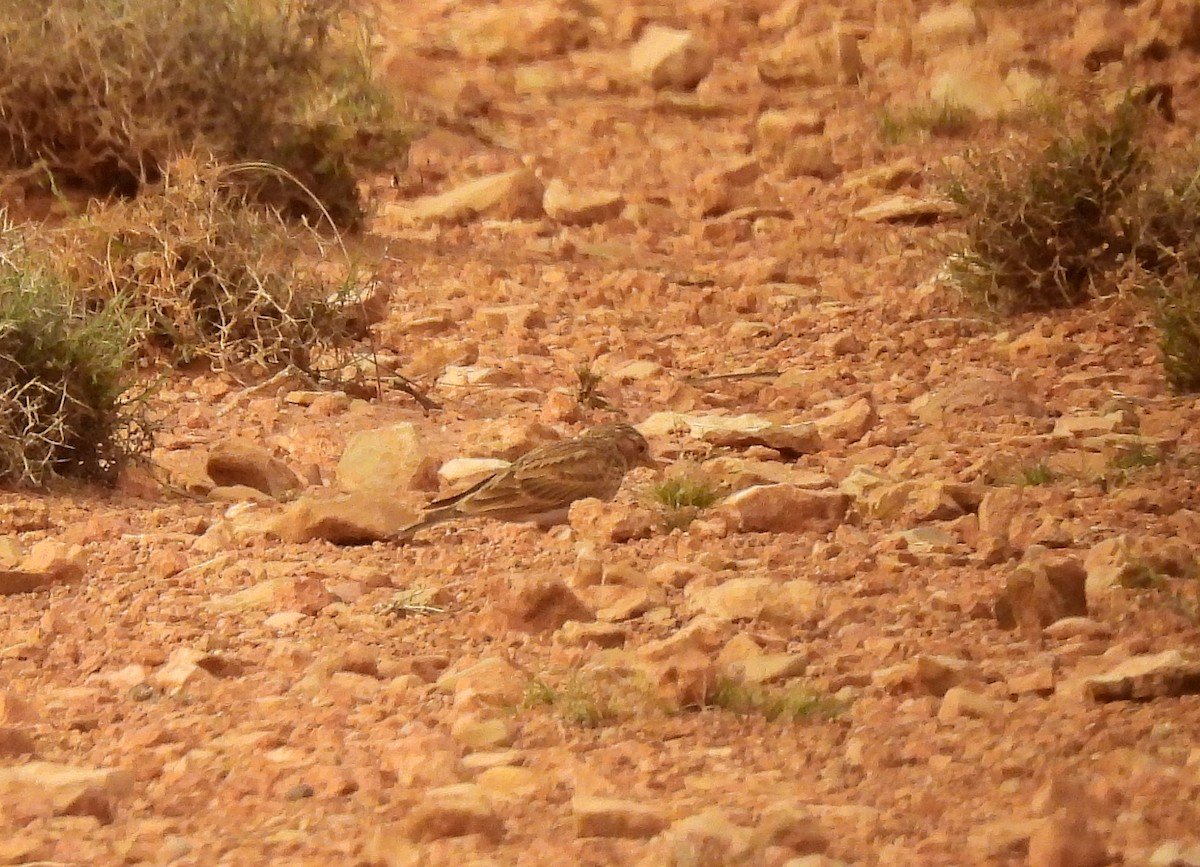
(1045, 228)
(63, 374)
(103, 93)
(209, 276)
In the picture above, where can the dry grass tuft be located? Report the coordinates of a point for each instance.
(103, 94)
(210, 277)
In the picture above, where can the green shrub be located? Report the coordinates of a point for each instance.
(1050, 228)
(62, 380)
(209, 277)
(681, 498)
(104, 93)
(787, 704)
(938, 119)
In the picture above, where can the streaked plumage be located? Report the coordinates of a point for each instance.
(541, 484)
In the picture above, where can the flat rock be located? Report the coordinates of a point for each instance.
(69, 790)
(614, 817)
(784, 509)
(667, 58)
(1159, 675)
(241, 462)
(385, 461)
(48, 564)
(354, 519)
(580, 208)
(787, 602)
(511, 195)
(902, 208)
(455, 811)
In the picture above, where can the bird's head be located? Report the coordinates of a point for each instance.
(629, 442)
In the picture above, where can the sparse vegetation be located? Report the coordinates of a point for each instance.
(208, 276)
(103, 95)
(1088, 215)
(593, 695)
(939, 119)
(681, 498)
(1048, 229)
(63, 379)
(587, 385)
(785, 704)
(1037, 474)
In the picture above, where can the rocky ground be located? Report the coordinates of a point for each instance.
(947, 613)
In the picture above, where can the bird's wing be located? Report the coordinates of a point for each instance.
(455, 499)
(554, 476)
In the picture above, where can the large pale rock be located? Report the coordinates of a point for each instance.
(671, 59)
(492, 678)
(981, 398)
(790, 603)
(776, 129)
(543, 605)
(905, 209)
(613, 817)
(241, 462)
(580, 208)
(354, 519)
(511, 195)
(611, 523)
(1158, 675)
(706, 838)
(1042, 590)
(811, 61)
(846, 422)
(725, 188)
(68, 790)
(47, 564)
(386, 461)
(529, 31)
(506, 439)
(455, 811)
(944, 26)
(784, 509)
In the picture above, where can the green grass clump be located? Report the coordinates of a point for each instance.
(102, 94)
(210, 277)
(63, 376)
(788, 704)
(682, 498)
(938, 119)
(1037, 474)
(594, 695)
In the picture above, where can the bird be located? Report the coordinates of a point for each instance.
(541, 484)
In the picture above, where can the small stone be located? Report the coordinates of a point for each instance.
(47, 564)
(484, 734)
(1066, 839)
(354, 519)
(543, 605)
(70, 790)
(668, 58)
(1159, 675)
(454, 811)
(241, 462)
(531, 31)
(511, 195)
(961, 702)
(776, 129)
(1042, 590)
(576, 634)
(812, 61)
(792, 826)
(905, 209)
(613, 817)
(847, 424)
(580, 208)
(385, 461)
(784, 509)
(786, 602)
(611, 523)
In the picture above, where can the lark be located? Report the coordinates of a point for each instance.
(540, 485)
